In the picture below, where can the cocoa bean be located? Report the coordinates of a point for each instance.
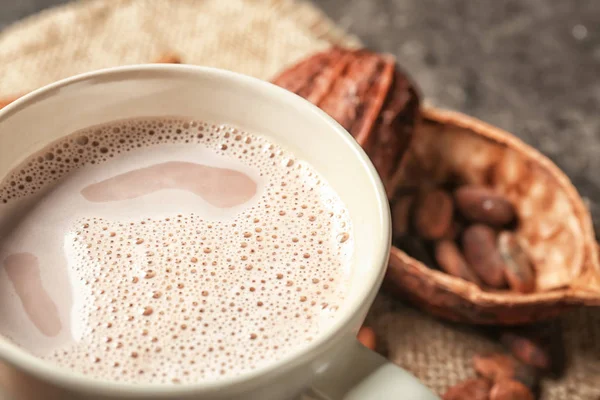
(433, 214)
(481, 253)
(7, 100)
(547, 337)
(510, 390)
(401, 210)
(500, 366)
(366, 336)
(518, 272)
(471, 389)
(450, 259)
(484, 205)
(527, 350)
(168, 58)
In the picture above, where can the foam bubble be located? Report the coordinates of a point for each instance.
(177, 297)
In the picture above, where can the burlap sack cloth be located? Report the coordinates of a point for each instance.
(259, 38)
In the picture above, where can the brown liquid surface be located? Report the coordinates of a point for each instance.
(168, 250)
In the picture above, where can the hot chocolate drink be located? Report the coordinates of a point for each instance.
(169, 250)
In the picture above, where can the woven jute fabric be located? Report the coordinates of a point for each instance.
(259, 38)
(440, 353)
(255, 37)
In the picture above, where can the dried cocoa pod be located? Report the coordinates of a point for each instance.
(451, 260)
(500, 366)
(401, 210)
(481, 252)
(393, 130)
(452, 147)
(483, 205)
(553, 222)
(366, 93)
(518, 271)
(510, 390)
(527, 350)
(433, 214)
(471, 389)
(313, 77)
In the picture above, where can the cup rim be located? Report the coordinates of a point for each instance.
(64, 377)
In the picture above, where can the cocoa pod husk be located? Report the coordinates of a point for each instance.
(553, 224)
(433, 214)
(510, 390)
(416, 247)
(447, 147)
(313, 77)
(471, 389)
(368, 95)
(394, 130)
(500, 366)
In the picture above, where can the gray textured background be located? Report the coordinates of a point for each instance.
(529, 66)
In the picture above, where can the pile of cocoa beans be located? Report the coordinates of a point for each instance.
(466, 231)
(531, 354)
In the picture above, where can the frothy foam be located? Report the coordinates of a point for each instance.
(169, 250)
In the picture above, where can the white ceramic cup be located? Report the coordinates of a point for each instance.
(334, 366)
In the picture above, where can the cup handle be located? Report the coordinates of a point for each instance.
(363, 374)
